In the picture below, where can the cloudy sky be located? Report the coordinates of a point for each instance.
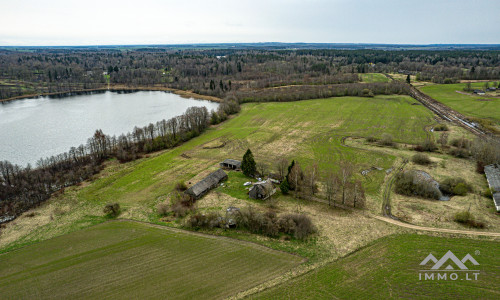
(91, 22)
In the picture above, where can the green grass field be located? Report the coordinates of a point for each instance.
(482, 107)
(124, 260)
(373, 77)
(308, 131)
(389, 268)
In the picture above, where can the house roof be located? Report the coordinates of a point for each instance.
(265, 188)
(493, 176)
(233, 162)
(207, 183)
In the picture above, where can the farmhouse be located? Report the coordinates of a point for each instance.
(262, 190)
(231, 164)
(493, 176)
(206, 184)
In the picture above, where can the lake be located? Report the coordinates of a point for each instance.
(40, 127)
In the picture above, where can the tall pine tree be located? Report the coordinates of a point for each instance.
(248, 164)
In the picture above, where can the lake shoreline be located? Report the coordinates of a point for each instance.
(117, 88)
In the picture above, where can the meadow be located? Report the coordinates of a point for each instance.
(485, 107)
(389, 268)
(125, 259)
(373, 77)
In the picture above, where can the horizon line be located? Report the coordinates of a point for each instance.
(257, 43)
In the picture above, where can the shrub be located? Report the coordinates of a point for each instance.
(387, 140)
(459, 152)
(179, 209)
(163, 209)
(180, 186)
(466, 218)
(460, 189)
(112, 210)
(488, 193)
(421, 159)
(427, 146)
(461, 143)
(366, 93)
(463, 217)
(298, 225)
(455, 186)
(441, 127)
(371, 139)
(208, 221)
(407, 183)
(285, 187)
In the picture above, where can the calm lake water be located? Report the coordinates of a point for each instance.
(41, 127)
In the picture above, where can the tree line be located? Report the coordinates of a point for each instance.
(219, 72)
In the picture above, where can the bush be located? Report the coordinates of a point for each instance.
(112, 210)
(163, 209)
(441, 127)
(407, 183)
(180, 186)
(179, 209)
(298, 225)
(421, 159)
(461, 143)
(371, 139)
(455, 186)
(488, 193)
(466, 218)
(387, 140)
(366, 93)
(459, 152)
(463, 217)
(427, 146)
(207, 221)
(460, 189)
(285, 187)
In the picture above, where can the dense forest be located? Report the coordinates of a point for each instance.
(220, 72)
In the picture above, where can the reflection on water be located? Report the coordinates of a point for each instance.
(41, 127)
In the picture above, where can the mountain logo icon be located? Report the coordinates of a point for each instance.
(447, 257)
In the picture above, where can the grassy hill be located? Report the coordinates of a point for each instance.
(118, 260)
(389, 268)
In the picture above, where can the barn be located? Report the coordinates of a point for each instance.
(206, 184)
(232, 164)
(262, 190)
(493, 176)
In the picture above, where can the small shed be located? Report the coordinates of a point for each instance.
(231, 164)
(206, 184)
(262, 190)
(493, 176)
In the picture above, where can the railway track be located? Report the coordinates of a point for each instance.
(446, 113)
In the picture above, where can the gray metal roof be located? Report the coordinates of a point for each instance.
(207, 183)
(493, 176)
(233, 162)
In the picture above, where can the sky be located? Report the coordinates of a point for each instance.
(110, 22)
